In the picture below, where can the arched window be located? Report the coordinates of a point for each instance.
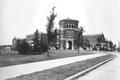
(72, 25)
(67, 25)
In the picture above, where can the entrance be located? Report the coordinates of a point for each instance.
(69, 44)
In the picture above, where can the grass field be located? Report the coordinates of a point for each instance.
(62, 72)
(8, 58)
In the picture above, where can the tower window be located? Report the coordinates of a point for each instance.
(67, 25)
(72, 25)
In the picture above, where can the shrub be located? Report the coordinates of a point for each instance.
(22, 47)
(44, 46)
(118, 49)
(37, 49)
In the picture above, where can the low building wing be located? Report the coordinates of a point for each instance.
(94, 39)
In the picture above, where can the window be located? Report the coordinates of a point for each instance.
(67, 25)
(72, 25)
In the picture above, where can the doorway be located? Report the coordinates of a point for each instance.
(69, 44)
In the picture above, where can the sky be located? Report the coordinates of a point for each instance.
(19, 18)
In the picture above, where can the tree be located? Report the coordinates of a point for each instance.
(79, 38)
(44, 45)
(111, 45)
(114, 47)
(118, 49)
(55, 33)
(50, 26)
(36, 42)
(87, 43)
(22, 46)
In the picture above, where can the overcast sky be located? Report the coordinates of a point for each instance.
(22, 17)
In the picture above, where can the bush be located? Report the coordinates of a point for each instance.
(44, 46)
(22, 47)
(118, 49)
(37, 49)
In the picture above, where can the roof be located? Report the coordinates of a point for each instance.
(69, 20)
(93, 39)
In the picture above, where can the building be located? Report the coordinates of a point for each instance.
(118, 44)
(30, 37)
(68, 29)
(14, 43)
(5, 47)
(66, 37)
(98, 42)
(95, 39)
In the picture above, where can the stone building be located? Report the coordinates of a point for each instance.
(67, 33)
(95, 39)
(68, 29)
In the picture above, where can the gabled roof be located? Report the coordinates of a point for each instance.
(93, 38)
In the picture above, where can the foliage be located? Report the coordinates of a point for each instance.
(44, 46)
(54, 41)
(114, 47)
(50, 26)
(22, 46)
(87, 43)
(55, 33)
(111, 44)
(79, 38)
(101, 38)
(118, 49)
(36, 42)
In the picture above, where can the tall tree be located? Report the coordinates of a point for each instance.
(79, 38)
(50, 26)
(36, 41)
(55, 33)
(55, 39)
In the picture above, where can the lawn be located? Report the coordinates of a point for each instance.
(62, 72)
(8, 58)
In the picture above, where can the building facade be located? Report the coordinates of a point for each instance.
(68, 29)
(67, 34)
